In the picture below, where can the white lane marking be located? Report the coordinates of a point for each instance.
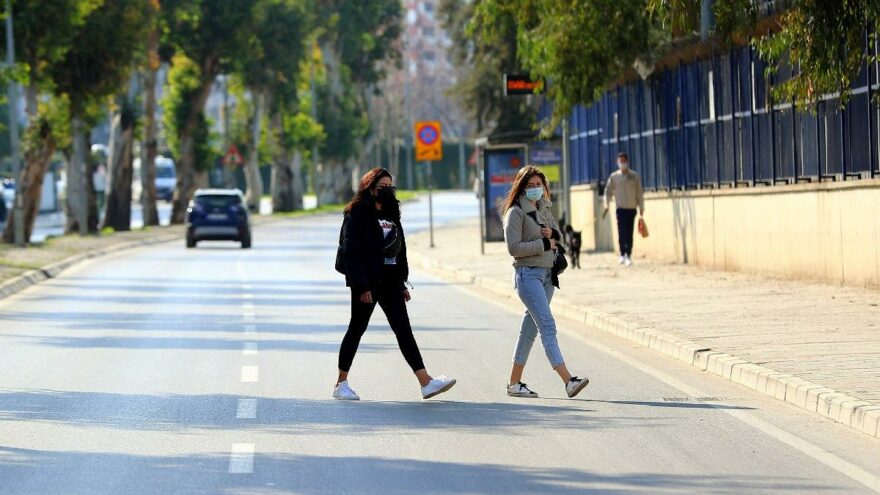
(250, 329)
(250, 349)
(247, 409)
(247, 296)
(247, 306)
(250, 374)
(241, 458)
(250, 317)
(825, 457)
(246, 287)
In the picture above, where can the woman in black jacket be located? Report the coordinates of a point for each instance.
(376, 270)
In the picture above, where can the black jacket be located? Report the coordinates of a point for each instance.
(363, 243)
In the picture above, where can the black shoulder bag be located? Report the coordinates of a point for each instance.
(559, 261)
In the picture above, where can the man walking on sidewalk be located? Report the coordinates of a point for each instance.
(625, 186)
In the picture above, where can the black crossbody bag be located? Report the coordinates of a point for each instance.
(559, 261)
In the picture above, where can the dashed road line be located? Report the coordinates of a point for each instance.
(241, 458)
(250, 329)
(247, 409)
(250, 374)
(250, 349)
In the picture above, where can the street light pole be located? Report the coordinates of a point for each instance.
(12, 95)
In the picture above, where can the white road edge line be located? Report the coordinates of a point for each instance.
(250, 374)
(250, 349)
(842, 466)
(241, 458)
(247, 409)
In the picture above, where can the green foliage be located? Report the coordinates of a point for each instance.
(343, 119)
(44, 32)
(301, 132)
(184, 79)
(487, 57)
(99, 61)
(184, 82)
(682, 17)
(579, 47)
(826, 42)
(213, 33)
(364, 33)
(276, 46)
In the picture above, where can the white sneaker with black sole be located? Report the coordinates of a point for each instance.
(437, 386)
(521, 390)
(575, 385)
(344, 392)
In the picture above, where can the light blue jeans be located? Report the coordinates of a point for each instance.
(535, 290)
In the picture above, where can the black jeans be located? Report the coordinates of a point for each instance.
(389, 296)
(626, 219)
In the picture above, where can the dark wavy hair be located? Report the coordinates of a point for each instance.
(365, 188)
(519, 186)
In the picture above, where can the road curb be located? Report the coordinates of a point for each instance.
(845, 409)
(52, 270)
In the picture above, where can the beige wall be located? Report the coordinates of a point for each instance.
(827, 231)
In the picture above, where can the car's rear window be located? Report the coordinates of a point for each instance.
(218, 201)
(165, 172)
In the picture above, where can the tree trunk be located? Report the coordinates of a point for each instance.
(30, 181)
(187, 179)
(149, 150)
(252, 169)
(334, 181)
(117, 212)
(91, 193)
(282, 183)
(77, 189)
(296, 166)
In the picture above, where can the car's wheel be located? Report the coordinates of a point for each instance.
(246, 241)
(190, 239)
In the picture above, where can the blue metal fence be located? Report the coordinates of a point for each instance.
(711, 123)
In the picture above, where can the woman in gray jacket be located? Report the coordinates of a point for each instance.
(531, 233)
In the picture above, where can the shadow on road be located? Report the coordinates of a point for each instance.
(26, 471)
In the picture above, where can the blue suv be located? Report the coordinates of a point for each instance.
(218, 215)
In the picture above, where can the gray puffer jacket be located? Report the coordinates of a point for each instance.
(523, 234)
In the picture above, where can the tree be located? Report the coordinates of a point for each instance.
(578, 47)
(149, 148)
(120, 170)
(484, 60)
(357, 40)
(94, 68)
(43, 30)
(277, 45)
(208, 36)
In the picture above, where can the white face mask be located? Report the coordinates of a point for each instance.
(623, 166)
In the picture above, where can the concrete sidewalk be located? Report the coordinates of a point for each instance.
(814, 345)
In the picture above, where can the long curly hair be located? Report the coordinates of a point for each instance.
(366, 186)
(519, 186)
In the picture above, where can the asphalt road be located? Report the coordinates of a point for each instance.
(166, 370)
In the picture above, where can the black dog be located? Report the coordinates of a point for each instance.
(573, 239)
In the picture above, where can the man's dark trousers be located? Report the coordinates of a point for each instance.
(626, 219)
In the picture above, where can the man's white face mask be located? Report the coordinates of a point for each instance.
(623, 166)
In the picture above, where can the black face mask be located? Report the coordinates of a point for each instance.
(387, 196)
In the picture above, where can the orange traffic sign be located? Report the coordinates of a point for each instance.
(429, 141)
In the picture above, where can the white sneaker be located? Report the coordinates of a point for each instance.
(521, 390)
(344, 392)
(622, 260)
(437, 386)
(575, 385)
(628, 261)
